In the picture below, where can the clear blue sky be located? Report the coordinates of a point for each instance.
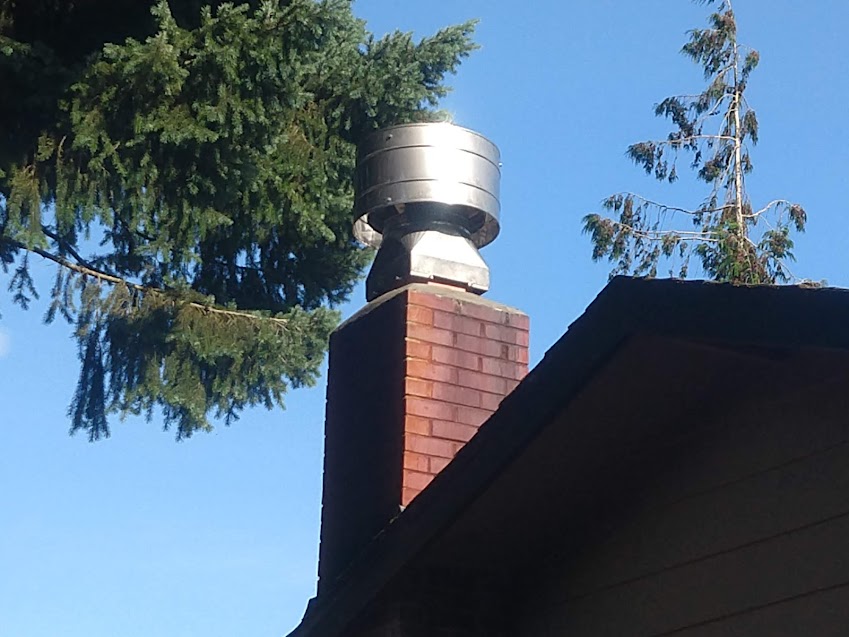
(138, 536)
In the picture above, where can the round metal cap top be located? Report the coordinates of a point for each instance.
(437, 163)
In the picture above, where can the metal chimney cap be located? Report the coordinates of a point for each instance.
(438, 166)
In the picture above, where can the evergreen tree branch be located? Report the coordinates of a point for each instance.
(712, 111)
(667, 208)
(213, 147)
(767, 208)
(111, 279)
(658, 235)
(67, 247)
(692, 138)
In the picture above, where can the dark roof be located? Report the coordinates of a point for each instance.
(642, 354)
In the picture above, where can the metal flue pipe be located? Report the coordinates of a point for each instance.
(427, 198)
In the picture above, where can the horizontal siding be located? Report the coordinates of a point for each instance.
(750, 521)
(821, 613)
(804, 491)
(756, 437)
(756, 575)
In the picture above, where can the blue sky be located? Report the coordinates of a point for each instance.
(217, 536)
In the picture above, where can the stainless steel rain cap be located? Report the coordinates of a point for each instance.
(431, 190)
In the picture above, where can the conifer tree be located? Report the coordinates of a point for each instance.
(187, 166)
(715, 129)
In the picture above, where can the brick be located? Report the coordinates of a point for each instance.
(416, 479)
(483, 382)
(519, 321)
(429, 446)
(419, 314)
(433, 301)
(438, 464)
(521, 356)
(480, 345)
(417, 387)
(428, 408)
(506, 352)
(472, 416)
(408, 494)
(506, 334)
(416, 461)
(458, 324)
(417, 425)
(431, 371)
(456, 394)
(415, 349)
(483, 313)
(453, 430)
(511, 385)
(490, 401)
(429, 334)
(455, 357)
(505, 369)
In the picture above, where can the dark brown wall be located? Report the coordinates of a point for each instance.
(746, 534)
(438, 604)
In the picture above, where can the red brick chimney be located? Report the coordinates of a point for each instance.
(412, 376)
(417, 371)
